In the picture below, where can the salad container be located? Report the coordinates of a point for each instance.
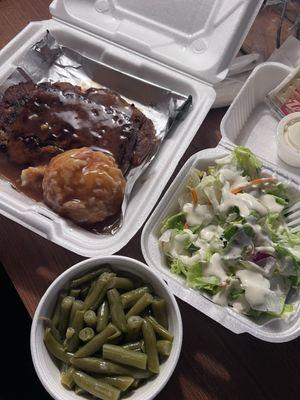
(251, 123)
(185, 47)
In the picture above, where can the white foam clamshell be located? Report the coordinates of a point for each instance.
(198, 37)
(248, 122)
(148, 41)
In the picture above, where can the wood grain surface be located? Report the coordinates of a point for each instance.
(215, 363)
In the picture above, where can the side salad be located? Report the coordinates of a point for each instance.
(230, 240)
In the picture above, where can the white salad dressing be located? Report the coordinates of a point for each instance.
(221, 297)
(253, 203)
(241, 305)
(211, 231)
(232, 200)
(189, 261)
(198, 215)
(216, 268)
(270, 202)
(230, 176)
(255, 285)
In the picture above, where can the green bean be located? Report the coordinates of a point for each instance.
(65, 310)
(130, 298)
(140, 305)
(134, 324)
(49, 323)
(116, 337)
(150, 347)
(56, 314)
(135, 383)
(96, 295)
(90, 318)
(66, 376)
(74, 293)
(84, 291)
(103, 367)
(164, 347)
(96, 343)
(121, 382)
(77, 305)
(75, 283)
(158, 308)
(135, 346)
(123, 356)
(79, 391)
(86, 334)
(55, 348)
(99, 389)
(77, 324)
(159, 329)
(116, 310)
(102, 316)
(121, 283)
(70, 332)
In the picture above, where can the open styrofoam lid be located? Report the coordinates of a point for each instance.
(198, 37)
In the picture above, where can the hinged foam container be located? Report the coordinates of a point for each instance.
(248, 122)
(185, 46)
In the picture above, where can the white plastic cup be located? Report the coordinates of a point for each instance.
(45, 367)
(285, 149)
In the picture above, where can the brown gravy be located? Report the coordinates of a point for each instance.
(12, 173)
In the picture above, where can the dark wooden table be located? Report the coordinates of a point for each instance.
(215, 363)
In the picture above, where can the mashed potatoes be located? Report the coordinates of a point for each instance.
(84, 185)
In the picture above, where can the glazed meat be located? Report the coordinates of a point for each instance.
(40, 121)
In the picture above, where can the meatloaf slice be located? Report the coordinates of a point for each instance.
(38, 121)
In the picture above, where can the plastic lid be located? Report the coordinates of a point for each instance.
(198, 37)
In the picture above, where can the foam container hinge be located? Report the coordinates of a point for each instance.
(251, 123)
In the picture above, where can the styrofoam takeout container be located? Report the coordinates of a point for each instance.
(183, 46)
(248, 122)
(46, 369)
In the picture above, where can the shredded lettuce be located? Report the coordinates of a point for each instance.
(177, 266)
(197, 281)
(235, 293)
(287, 256)
(174, 222)
(247, 161)
(280, 193)
(271, 224)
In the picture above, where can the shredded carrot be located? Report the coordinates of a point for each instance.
(252, 183)
(186, 226)
(194, 196)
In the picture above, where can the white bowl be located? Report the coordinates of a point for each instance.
(46, 369)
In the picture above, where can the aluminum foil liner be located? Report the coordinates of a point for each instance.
(48, 61)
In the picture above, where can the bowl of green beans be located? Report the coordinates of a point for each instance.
(107, 328)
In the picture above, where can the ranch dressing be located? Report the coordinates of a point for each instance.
(198, 215)
(255, 285)
(270, 202)
(210, 231)
(215, 267)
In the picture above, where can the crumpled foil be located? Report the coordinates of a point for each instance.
(48, 61)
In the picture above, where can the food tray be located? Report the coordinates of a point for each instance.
(184, 49)
(248, 122)
(37, 216)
